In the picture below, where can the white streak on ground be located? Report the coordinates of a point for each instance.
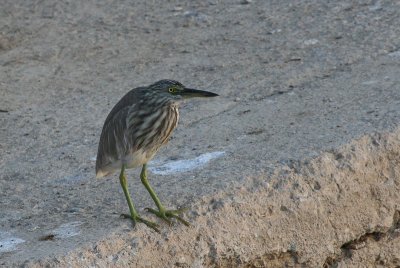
(370, 82)
(8, 242)
(72, 179)
(311, 42)
(184, 165)
(67, 229)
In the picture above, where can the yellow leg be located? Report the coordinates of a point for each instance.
(134, 216)
(161, 212)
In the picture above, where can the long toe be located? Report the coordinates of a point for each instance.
(150, 224)
(172, 214)
(166, 215)
(125, 216)
(161, 214)
(136, 219)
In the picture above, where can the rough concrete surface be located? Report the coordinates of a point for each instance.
(297, 163)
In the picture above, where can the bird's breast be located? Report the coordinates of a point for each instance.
(169, 123)
(155, 130)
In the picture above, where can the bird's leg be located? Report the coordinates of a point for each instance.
(134, 215)
(162, 212)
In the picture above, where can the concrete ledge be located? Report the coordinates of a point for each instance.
(341, 208)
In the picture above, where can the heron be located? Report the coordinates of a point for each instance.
(135, 129)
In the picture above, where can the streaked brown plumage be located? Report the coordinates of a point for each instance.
(134, 130)
(137, 126)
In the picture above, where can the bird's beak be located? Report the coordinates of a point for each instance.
(191, 93)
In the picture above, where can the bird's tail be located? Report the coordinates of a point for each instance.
(101, 173)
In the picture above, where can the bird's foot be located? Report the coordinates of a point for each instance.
(166, 215)
(137, 218)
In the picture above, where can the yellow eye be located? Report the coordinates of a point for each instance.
(171, 89)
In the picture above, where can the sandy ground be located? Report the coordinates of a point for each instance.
(296, 163)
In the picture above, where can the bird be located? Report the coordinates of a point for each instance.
(135, 129)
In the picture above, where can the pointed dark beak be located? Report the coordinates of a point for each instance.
(191, 93)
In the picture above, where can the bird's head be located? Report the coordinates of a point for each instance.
(176, 90)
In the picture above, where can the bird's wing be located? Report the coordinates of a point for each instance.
(113, 144)
(130, 98)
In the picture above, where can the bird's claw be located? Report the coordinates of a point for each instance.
(136, 219)
(167, 214)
